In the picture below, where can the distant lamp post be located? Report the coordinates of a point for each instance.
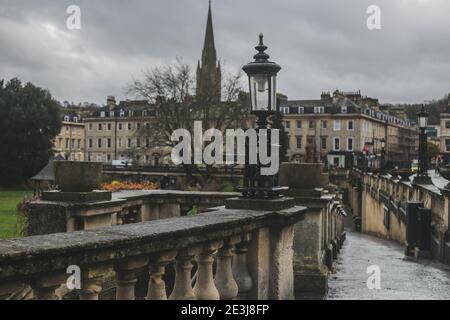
(422, 172)
(383, 156)
(262, 75)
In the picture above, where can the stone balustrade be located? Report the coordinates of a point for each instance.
(59, 212)
(380, 203)
(252, 250)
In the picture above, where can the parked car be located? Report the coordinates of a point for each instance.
(121, 163)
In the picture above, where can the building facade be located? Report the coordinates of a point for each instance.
(445, 133)
(113, 133)
(340, 128)
(69, 144)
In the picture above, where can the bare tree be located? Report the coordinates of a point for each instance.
(170, 89)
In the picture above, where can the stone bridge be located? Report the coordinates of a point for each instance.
(143, 245)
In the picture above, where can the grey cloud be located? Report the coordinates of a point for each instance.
(321, 44)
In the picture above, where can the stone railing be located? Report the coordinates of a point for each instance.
(58, 212)
(253, 251)
(380, 202)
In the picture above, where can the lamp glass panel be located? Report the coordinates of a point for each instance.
(423, 122)
(273, 103)
(259, 91)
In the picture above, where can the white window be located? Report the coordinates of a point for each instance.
(336, 144)
(102, 114)
(75, 119)
(319, 109)
(344, 109)
(447, 145)
(111, 114)
(350, 124)
(337, 125)
(349, 144)
(122, 113)
(301, 110)
(66, 118)
(284, 110)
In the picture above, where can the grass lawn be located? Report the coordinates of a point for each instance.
(8, 204)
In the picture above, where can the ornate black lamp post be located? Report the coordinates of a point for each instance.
(422, 172)
(262, 75)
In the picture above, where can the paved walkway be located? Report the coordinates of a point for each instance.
(400, 278)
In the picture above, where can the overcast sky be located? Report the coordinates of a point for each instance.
(321, 44)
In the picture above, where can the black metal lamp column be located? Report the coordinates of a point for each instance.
(383, 155)
(422, 172)
(262, 75)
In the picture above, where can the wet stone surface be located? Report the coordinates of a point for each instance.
(401, 278)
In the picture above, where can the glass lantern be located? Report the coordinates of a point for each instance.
(262, 75)
(422, 118)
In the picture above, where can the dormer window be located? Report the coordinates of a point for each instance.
(319, 109)
(102, 114)
(66, 118)
(111, 114)
(130, 113)
(75, 119)
(144, 113)
(122, 113)
(284, 110)
(301, 109)
(344, 109)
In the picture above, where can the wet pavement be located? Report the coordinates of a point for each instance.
(401, 278)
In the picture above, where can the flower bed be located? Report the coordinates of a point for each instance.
(119, 186)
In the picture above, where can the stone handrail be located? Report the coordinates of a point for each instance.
(241, 239)
(54, 214)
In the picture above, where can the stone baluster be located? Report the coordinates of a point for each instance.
(44, 286)
(127, 277)
(182, 289)
(240, 267)
(156, 285)
(205, 288)
(90, 289)
(91, 282)
(8, 288)
(224, 280)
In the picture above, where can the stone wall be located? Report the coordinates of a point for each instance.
(380, 202)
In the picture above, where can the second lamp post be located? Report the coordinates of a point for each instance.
(422, 171)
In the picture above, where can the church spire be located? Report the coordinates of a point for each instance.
(208, 69)
(209, 49)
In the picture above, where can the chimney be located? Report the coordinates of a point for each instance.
(325, 96)
(111, 102)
